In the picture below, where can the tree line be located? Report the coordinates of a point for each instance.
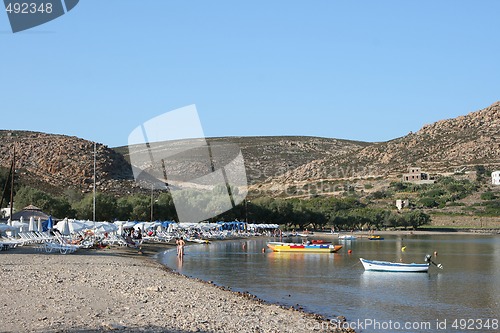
(344, 213)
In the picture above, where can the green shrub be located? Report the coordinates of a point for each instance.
(378, 195)
(492, 208)
(428, 202)
(488, 195)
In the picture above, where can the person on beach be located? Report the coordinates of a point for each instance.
(177, 244)
(78, 240)
(181, 247)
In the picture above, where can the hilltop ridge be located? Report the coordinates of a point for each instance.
(56, 162)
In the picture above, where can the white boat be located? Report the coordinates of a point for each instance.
(347, 237)
(198, 240)
(387, 266)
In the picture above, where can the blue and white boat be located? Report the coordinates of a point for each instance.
(387, 266)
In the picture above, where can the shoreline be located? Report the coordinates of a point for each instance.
(122, 289)
(442, 231)
(119, 289)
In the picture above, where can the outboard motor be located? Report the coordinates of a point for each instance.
(429, 261)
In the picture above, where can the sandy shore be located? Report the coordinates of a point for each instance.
(122, 290)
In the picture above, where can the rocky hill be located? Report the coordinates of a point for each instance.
(444, 146)
(57, 162)
(269, 157)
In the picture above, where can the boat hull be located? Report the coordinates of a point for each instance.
(386, 266)
(303, 248)
(347, 237)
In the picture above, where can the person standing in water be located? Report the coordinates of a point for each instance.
(177, 244)
(180, 247)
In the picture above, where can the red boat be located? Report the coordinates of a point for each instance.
(319, 241)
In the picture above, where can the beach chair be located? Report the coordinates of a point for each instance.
(114, 240)
(11, 240)
(4, 246)
(51, 246)
(61, 245)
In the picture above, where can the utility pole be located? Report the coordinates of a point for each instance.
(152, 203)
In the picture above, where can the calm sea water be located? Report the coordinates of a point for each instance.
(464, 297)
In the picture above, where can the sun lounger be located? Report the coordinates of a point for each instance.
(4, 246)
(51, 246)
(114, 240)
(12, 240)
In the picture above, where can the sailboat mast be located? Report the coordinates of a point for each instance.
(93, 200)
(12, 182)
(7, 185)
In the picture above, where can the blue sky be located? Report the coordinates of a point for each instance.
(361, 70)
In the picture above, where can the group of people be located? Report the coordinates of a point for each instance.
(180, 246)
(132, 237)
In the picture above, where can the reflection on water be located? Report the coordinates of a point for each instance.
(336, 284)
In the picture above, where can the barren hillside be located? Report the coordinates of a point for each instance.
(444, 146)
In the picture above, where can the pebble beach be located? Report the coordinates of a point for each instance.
(124, 290)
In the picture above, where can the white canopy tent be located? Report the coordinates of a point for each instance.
(252, 226)
(75, 226)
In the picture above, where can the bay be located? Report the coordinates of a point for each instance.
(466, 292)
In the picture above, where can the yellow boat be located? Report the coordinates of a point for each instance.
(375, 237)
(297, 247)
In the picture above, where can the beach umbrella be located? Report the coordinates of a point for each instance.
(40, 226)
(19, 225)
(166, 224)
(172, 227)
(146, 225)
(76, 226)
(120, 225)
(139, 225)
(6, 227)
(32, 226)
(63, 227)
(50, 223)
(154, 225)
(103, 227)
(129, 224)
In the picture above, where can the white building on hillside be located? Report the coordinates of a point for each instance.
(495, 178)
